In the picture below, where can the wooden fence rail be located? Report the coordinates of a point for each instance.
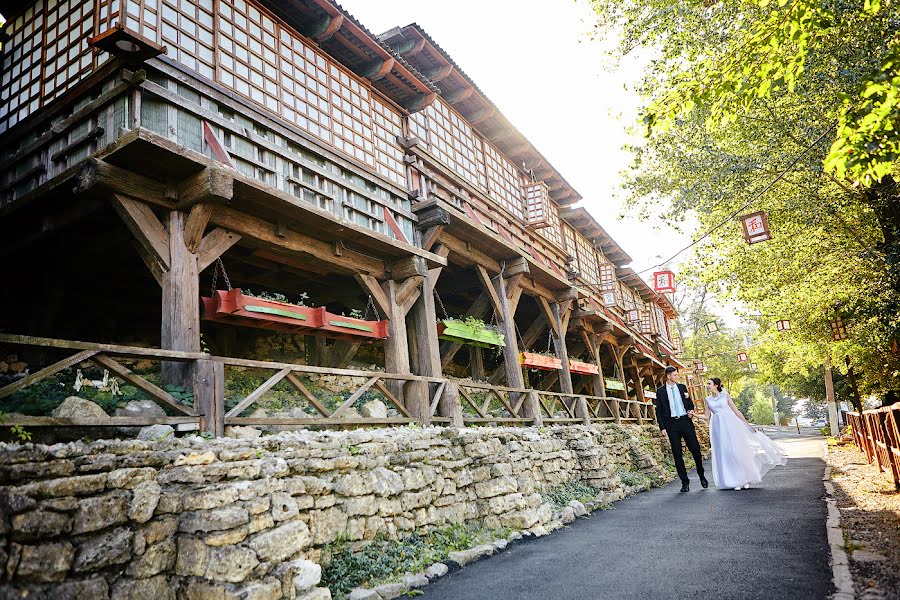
(408, 398)
(877, 433)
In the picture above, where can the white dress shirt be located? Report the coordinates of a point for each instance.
(676, 405)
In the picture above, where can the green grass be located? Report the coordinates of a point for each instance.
(562, 495)
(384, 561)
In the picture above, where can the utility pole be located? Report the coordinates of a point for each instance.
(774, 404)
(829, 400)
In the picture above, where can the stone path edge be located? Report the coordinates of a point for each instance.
(840, 564)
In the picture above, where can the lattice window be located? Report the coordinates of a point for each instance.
(418, 126)
(453, 141)
(660, 322)
(248, 55)
(646, 321)
(537, 204)
(606, 276)
(108, 12)
(351, 114)
(587, 258)
(186, 28)
(388, 154)
(66, 54)
(505, 183)
(304, 93)
(21, 84)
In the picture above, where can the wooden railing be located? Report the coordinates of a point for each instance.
(877, 433)
(211, 405)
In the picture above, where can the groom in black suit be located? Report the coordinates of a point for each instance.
(674, 411)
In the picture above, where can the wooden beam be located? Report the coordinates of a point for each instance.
(488, 287)
(431, 236)
(263, 232)
(213, 245)
(146, 228)
(257, 393)
(56, 367)
(180, 328)
(407, 291)
(371, 285)
(209, 185)
(99, 174)
(409, 266)
(196, 225)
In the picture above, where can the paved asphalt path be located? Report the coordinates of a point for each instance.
(767, 542)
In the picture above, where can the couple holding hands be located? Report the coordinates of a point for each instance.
(741, 455)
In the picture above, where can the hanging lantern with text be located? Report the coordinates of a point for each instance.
(783, 325)
(712, 327)
(742, 357)
(610, 298)
(838, 330)
(753, 367)
(756, 227)
(634, 316)
(664, 281)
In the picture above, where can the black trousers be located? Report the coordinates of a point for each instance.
(683, 429)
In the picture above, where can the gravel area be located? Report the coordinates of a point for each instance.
(870, 517)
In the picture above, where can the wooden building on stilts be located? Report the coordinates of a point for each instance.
(164, 162)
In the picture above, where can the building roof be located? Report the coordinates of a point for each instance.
(456, 88)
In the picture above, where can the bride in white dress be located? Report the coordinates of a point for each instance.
(741, 455)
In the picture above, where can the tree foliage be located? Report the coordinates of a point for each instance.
(742, 100)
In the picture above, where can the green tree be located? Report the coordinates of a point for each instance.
(761, 412)
(742, 99)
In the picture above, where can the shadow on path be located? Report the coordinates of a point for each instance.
(766, 542)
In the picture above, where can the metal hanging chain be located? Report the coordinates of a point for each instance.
(370, 305)
(441, 304)
(220, 266)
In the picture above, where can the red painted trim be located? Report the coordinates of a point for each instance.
(218, 150)
(392, 223)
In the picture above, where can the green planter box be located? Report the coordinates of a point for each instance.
(615, 384)
(458, 331)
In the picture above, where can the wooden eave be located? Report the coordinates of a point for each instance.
(345, 39)
(422, 52)
(584, 222)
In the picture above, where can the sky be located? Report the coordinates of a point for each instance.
(534, 59)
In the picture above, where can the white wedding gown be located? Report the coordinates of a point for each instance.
(740, 455)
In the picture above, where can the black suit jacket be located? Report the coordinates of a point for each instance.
(663, 414)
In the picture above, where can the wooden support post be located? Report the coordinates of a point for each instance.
(450, 405)
(514, 377)
(638, 389)
(417, 401)
(180, 304)
(531, 409)
(428, 347)
(477, 363)
(396, 350)
(209, 396)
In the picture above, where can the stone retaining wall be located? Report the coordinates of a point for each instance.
(196, 518)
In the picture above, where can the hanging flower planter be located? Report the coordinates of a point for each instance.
(350, 327)
(236, 308)
(615, 384)
(473, 334)
(533, 360)
(583, 368)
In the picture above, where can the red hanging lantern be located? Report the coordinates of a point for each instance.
(783, 325)
(742, 357)
(838, 330)
(664, 281)
(756, 227)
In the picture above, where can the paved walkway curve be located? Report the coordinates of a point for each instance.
(767, 543)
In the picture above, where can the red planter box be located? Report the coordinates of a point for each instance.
(234, 308)
(583, 368)
(533, 360)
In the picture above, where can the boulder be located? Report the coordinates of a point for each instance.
(140, 408)
(74, 407)
(374, 410)
(154, 433)
(242, 432)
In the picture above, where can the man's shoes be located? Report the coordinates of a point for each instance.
(704, 483)
(685, 487)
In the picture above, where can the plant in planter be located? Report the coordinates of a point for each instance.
(540, 361)
(614, 384)
(470, 331)
(583, 368)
